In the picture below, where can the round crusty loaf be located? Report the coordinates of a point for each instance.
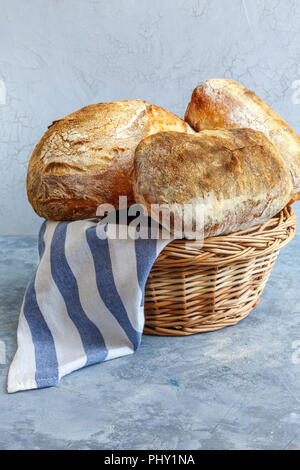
(235, 177)
(225, 104)
(86, 158)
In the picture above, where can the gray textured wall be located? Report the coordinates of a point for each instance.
(58, 55)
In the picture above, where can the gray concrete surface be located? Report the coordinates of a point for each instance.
(238, 388)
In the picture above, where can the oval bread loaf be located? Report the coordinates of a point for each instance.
(223, 103)
(236, 177)
(86, 158)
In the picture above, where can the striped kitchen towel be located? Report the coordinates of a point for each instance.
(85, 303)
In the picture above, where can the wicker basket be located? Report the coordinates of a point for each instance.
(194, 290)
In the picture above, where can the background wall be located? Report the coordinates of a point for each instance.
(59, 55)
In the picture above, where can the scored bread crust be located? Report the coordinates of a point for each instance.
(235, 177)
(225, 104)
(86, 158)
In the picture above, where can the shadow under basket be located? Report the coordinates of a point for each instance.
(193, 289)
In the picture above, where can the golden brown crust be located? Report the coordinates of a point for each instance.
(226, 104)
(86, 158)
(236, 176)
(162, 120)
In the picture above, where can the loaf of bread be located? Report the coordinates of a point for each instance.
(222, 103)
(236, 177)
(86, 158)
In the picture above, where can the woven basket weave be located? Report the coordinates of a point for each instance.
(194, 290)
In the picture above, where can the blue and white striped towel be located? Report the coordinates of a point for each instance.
(84, 304)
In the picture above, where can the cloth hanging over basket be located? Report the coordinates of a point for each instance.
(84, 305)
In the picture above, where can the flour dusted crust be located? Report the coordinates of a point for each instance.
(223, 103)
(236, 177)
(86, 158)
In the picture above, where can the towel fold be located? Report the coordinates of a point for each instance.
(85, 303)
